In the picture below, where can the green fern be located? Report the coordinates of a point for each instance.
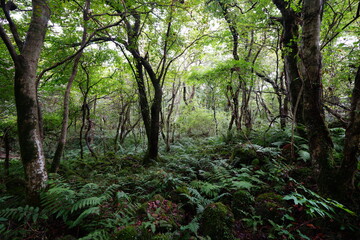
(84, 214)
(97, 235)
(27, 214)
(209, 189)
(87, 202)
(200, 201)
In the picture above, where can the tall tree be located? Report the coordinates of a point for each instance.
(152, 57)
(290, 22)
(346, 175)
(28, 119)
(62, 138)
(320, 143)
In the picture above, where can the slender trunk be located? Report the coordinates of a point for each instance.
(65, 121)
(320, 143)
(175, 90)
(81, 134)
(118, 128)
(88, 136)
(346, 175)
(7, 153)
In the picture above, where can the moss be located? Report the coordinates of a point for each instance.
(217, 222)
(270, 205)
(162, 237)
(242, 201)
(127, 233)
(177, 195)
(242, 154)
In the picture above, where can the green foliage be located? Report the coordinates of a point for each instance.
(315, 204)
(217, 222)
(169, 198)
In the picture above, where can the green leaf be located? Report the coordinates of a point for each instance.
(304, 155)
(242, 185)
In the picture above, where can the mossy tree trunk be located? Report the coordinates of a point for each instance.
(290, 37)
(320, 143)
(7, 152)
(349, 165)
(28, 119)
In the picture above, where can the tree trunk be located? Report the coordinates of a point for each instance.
(65, 121)
(153, 138)
(290, 51)
(7, 153)
(28, 119)
(320, 143)
(349, 165)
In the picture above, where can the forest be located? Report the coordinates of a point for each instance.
(180, 119)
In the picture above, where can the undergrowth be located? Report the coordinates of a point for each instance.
(114, 197)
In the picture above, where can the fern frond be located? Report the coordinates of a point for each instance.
(97, 235)
(27, 214)
(91, 201)
(84, 214)
(209, 189)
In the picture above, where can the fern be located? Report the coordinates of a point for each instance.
(201, 202)
(211, 190)
(27, 214)
(87, 202)
(84, 214)
(97, 235)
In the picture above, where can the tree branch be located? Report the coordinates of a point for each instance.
(77, 52)
(343, 28)
(12, 26)
(8, 44)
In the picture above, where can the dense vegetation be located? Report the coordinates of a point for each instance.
(170, 119)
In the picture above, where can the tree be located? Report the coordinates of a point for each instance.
(62, 138)
(28, 119)
(320, 143)
(349, 166)
(152, 56)
(290, 36)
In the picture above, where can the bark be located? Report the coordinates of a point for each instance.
(123, 119)
(7, 152)
(349, 165)
(88, 134)
(167, 121)
(29, 129)
(289, 21)
(320, 143)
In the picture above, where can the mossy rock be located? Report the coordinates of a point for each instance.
(270, 205)
(162, 237)
(242, 202)
(243, 154)
(177, 195)
(127, 233)
(217, 222)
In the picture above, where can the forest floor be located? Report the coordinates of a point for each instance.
(211, 188)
